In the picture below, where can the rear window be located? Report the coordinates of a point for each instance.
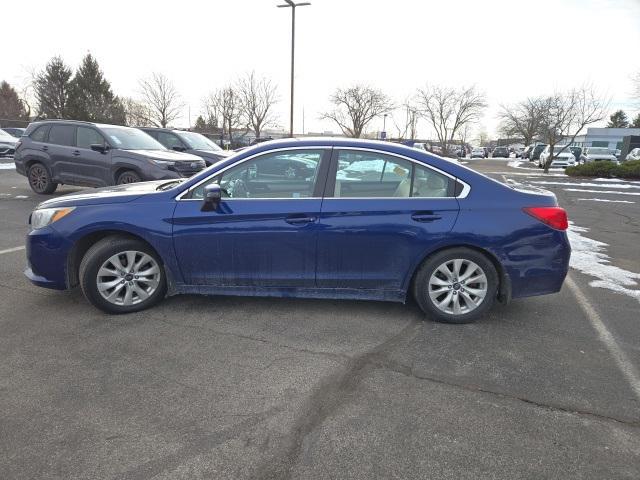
(40, 133)
(62, 134)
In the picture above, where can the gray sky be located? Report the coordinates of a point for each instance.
(509, 49)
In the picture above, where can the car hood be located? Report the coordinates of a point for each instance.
(606, 156)
(166, 155)
(212, 154)
(8, 141)
(116, 194)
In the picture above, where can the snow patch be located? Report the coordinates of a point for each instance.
(604, 200)
(22, 196)
(575, 184)
(589, 257)
(600, 191)
(7, 166)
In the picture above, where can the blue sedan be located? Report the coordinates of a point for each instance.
(315, 218)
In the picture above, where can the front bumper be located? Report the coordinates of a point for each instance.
(47, 253)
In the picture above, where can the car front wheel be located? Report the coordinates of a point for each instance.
(122, 275)
(128, 177)
(456, 286)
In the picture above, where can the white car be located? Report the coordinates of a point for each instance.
(598, 154)
(478, 153)
(633, 154)
(561, 158)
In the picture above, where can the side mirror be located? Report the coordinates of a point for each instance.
(178, 148)
(212, 197)
(98, 147)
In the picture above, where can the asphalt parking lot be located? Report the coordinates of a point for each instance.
(215, 387)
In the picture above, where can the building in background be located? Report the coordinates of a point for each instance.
(611, 138)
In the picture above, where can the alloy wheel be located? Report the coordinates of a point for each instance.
(128, 278)
(38, 178)
(458, 286)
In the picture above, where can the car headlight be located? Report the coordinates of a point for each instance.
(46, 216)
(162, 163)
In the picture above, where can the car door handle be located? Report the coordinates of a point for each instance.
(45, 148)
(76, 152)
(425, 216)
(299, 219)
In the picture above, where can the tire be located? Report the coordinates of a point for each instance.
(128, 291)
(431, 286)
(40, 179)
(128, 176)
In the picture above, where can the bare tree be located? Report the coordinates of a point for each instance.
(523, 119)
(355, 107)
(161, 100)
(223, 105)
(565, 115)
(256, 99)
(405, 121)
(482, 137)
(448, 110)
(136, 114)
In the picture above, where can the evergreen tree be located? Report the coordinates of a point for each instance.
(636, 122)
(92, 99)
(12, 107)
(200, 125)
(618, 120)
(52, 90)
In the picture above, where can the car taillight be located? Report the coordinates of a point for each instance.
(555, 217)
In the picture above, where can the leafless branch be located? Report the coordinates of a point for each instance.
(161, 99)
(257, 97)
(355, 107)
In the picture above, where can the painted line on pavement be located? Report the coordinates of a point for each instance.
(626, 367)
(10, 250)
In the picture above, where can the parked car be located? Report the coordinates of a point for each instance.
(14, 131)
(527, 152)
(90, 154)
(633, 154)
(189, 142)
(561, 158)
(478, 152)
(7, 144)
(500, 152)
(423, 227)
(536, 151)
(598, 154)
(258, 140)
(518, 151)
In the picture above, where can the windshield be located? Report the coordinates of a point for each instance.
(598, 150)
(197, 141)
(131, 139)
(6, 136)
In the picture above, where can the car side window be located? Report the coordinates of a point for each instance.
(288, 174)
(169, 140)
(62, 135)
(376, 175)
(40, 134)
(85, 137)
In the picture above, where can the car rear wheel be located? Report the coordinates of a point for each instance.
(456, 286)
(40, 179)
(128, 176)
(122, 275)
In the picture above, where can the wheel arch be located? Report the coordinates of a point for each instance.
(83, 244)
(121, 168)
(504, 281)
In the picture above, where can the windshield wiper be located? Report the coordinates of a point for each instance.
(169, 184)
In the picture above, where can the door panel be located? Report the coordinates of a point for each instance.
(264, 233)
(379, 216)
(248, 242)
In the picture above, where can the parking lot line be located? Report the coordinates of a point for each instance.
(623, 363)
(10, 250)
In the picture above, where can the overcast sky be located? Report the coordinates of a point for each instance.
(509, 49)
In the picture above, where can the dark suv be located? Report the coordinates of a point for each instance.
(68, 152)
(500, 152)
(190, 142)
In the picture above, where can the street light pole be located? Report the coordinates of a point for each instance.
(292, 5)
